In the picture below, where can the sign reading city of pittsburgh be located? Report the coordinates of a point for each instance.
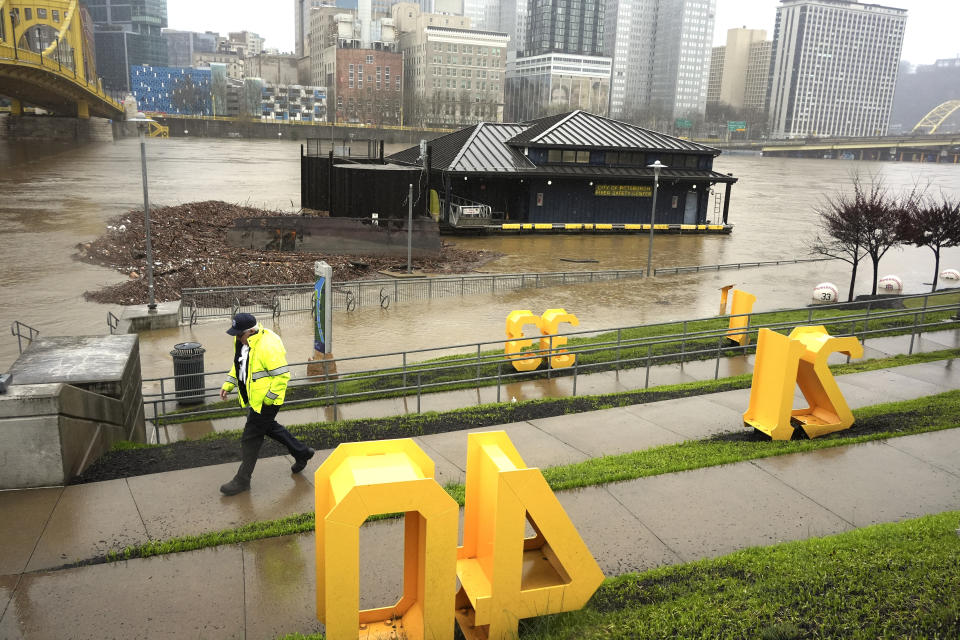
(630, 190)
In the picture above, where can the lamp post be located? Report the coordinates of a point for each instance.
(143, 122)
(657, 167)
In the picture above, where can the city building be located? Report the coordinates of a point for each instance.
(556, 83)
(661, 52)
(363, 78)
(757, 83)
(127, 33)
(278, 69)
(731, 70)
(181, 45)
(564, 26)
(507, 16)
(243, 43)
(572, 168)
(233, 61)
(302, 10)
(834, 68)
(171, 90)
(561, 65)
(452, 74)
(293, 102)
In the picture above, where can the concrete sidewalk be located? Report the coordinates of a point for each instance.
(558, 387)
(264, 588)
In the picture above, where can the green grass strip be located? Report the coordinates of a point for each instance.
(884, 421)
(463, 370)
(896, 580)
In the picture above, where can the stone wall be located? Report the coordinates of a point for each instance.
(31, 127)
(71, 399)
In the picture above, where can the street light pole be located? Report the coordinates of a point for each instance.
(657, 167)
(142, 123)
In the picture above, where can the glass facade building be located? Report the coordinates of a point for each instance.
(127, 33)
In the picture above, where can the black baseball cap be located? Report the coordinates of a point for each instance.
(242, 322)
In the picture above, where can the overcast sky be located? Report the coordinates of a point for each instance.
(931, 25)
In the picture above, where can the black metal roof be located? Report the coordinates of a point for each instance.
(583, 130)
(495, 148)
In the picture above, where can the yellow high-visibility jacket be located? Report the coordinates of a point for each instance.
(267, 370)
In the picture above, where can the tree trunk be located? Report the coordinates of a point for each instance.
(853, 280)
(876, 266)
(936, 267)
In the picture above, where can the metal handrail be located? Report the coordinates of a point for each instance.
(693, 343)
(16, 330)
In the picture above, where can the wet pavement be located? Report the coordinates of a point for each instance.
(265, 588)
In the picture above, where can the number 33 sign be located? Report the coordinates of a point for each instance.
(504, 576)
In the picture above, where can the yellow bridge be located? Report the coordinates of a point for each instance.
(47, 59)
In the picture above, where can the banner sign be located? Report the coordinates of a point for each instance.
(629, 190)
(320, 314)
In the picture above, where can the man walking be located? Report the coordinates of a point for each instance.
(260, 375)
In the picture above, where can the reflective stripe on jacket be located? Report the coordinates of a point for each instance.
(267, 370)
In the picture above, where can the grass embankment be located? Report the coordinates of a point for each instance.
(886, 581)
(873, 423)
(634, 347)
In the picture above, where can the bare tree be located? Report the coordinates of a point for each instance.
(935, 224)
(862, 224)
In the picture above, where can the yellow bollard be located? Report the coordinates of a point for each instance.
(782, 362)
(515, 323)
(549, 326)
(362, 479)
(504, 576)
(739, 321)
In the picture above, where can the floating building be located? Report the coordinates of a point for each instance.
(571, 172)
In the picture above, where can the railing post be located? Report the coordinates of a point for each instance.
(619, 333)
(683, 345)
(499, 370)
(418, 392)
(646, 384)
(404, 368)
(716, 370)
(478, 362)
(576, 365)
(335, 417)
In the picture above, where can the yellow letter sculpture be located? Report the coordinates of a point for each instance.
(549, 326)
(505, 576)
(515, 323)
(367, 478)
(742, 304)
(783, 362)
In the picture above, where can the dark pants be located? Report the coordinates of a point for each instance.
(260, 425)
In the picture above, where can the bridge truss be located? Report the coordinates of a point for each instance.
(932, 121)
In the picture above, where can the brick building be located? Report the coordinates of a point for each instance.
(367, 86)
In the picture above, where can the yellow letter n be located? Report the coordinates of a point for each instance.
(362, 479)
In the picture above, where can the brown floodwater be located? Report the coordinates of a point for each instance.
(54, 196)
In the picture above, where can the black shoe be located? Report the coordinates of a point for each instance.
(234, 487)
(301, 462)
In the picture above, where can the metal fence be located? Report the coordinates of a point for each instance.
(348, 295)
(412, 373)
(670, 271)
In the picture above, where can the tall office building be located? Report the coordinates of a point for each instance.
(564, 26)
(301, 10)
(729, 71)
(127, 32)
(834, 68)
(510, 17)
(181, 45)
(661, 53)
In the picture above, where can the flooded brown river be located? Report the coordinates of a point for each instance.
(53, 197)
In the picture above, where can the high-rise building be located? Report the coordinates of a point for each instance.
(301, 9)
(730, 71)
(181, 45)
(661, 52)
(834, 68)
(510, 17)
(716, 75)
(564, 26)
(127, 33)
(452, 74)
(757, 83)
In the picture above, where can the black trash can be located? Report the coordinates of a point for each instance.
(188, 372)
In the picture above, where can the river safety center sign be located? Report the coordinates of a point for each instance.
(628, 190)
